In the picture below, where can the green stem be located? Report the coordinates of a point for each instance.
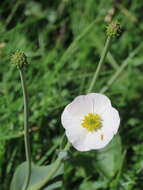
(54, 170)
(105, 51)
(26, 128)
(15, 7)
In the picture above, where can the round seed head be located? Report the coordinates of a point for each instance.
(19, 59)
(113, 29)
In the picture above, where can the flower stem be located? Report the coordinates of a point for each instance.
(105, 51)
(26, 127)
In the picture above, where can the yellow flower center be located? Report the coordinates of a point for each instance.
(92, 122)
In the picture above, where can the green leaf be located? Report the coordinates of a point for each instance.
(109, 159)
(38, 175)
(55, 185)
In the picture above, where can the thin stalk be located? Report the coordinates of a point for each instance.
(54, 170)
(26, 128)
(15, 7)
(105, 51)
(110, 58)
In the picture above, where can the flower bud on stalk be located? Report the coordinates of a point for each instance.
(113, 29)
(20, 60)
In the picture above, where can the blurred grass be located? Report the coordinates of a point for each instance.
(63, 41)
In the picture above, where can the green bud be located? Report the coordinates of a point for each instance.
(113, 29)
(19, 59)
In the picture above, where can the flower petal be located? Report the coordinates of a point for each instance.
(94, 140)
(77, 139)
(100, 102)
(74, 131)
(79, 107)
(111, 120)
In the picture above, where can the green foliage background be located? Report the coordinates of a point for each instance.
(63, 41)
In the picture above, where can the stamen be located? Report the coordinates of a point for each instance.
(92, 122)
(102, 137)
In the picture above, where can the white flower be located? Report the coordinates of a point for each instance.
(90, 121)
